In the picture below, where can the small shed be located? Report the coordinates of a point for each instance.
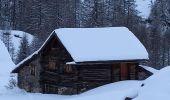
(74, 60)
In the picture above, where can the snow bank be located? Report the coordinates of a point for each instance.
(157, 87)
(114, 91)
(101, 44)
(144, 7)
(6, 66)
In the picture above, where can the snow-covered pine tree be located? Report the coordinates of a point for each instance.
(24, 49)
(159, 30)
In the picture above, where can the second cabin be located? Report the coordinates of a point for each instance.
(74, 60)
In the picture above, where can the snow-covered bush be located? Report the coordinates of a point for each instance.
(12, 83)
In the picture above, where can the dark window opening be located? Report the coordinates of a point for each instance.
(32, 70)
(68, 69)
(52, 65)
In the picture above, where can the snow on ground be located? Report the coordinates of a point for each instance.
(21, 95)
(6, 66)
(17, 36)
(114, 91)
(156, 87)
(144, 7)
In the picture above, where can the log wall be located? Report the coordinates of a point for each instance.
(29, 76)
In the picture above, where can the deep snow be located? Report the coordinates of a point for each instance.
(156, 87)
(6, 66)
(114, 91)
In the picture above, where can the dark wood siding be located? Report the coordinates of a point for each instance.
(29, 77)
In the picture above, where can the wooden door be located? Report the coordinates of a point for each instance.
(124, 73)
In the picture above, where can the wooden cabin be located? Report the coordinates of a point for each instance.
(74, 60)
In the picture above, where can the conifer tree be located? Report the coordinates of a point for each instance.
(24, 49)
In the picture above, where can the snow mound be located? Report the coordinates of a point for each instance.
(156, 87)
(6, 66)
(113, 91)
(144, 7)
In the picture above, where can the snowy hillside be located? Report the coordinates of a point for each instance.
(144, 7)
(6, 66)
(17, 36)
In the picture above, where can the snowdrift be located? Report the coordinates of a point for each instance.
(156, 87)
(6, 66)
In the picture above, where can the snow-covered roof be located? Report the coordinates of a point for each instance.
(101, 44)
(96, 44)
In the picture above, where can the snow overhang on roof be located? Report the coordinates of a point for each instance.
(101, 44)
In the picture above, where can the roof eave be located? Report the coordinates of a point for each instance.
(112, 61)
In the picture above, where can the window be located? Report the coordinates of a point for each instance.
(68, 69)
(32, 69)
(52, 65)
